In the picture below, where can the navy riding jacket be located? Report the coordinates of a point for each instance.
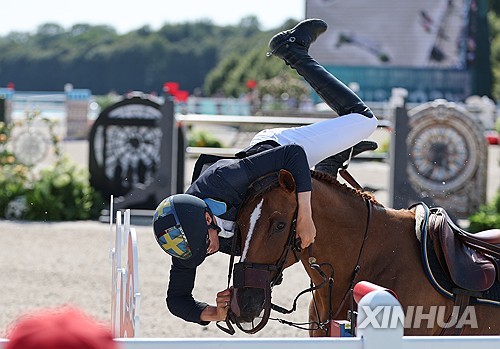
(227, 181)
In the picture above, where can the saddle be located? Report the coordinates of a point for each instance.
(460, 265)
(470, 260)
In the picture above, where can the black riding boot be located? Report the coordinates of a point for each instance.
(332, 164)
(292, 46)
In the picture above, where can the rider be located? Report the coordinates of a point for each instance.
(194, 225)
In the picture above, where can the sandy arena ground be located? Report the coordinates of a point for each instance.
(50, 264)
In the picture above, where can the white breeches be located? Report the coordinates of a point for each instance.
(324, 138)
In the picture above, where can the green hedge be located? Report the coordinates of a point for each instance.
(60, 192)
(487, 217)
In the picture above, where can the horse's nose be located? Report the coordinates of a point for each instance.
(251, 302)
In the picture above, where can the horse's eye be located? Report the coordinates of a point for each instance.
(280, 226)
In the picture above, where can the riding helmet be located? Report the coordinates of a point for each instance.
(181, 229)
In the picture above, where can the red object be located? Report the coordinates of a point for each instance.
(251, 84)
(171, 87)
(59, 329)
(181, 96)
(340, 328)
(362, 288)
(11, 86)
(492, 137)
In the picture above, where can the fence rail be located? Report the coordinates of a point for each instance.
(466, 342)
(230, 120)
(196, 119)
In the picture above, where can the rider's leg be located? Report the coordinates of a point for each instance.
(322, 139)
(331, 136)
(333, 163)
(292, 46)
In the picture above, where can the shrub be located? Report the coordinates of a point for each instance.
(62, 192)
(202, 138)
(59, 192)
(13, 175)
(13, 179)
(487, 217)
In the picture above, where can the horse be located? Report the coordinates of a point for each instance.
(357, 239)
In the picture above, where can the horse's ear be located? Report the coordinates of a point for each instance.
(286, 181)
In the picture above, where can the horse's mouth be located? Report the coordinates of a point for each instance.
(248, 317)
(248, 303)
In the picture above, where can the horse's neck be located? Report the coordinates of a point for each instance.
(392, 254)
(341, 216)
(393, 229)
(338, 208)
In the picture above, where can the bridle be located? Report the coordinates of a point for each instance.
(258, 275)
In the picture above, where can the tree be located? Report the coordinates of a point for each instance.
(494, 23)
(495, 6)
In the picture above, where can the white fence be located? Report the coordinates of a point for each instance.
(260, 122)
(365, 342)
(319, 343)
(125, 296)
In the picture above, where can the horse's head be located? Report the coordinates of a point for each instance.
(267, 226)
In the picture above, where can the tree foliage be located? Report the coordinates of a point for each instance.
(495, 6)
(494, 21)
(217, 59)
(98, 58)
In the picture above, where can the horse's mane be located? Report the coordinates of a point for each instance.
(325, 177)
(268, 182)
(262, 185)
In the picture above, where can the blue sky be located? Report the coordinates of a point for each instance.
(126, 15)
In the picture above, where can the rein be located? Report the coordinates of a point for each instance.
(357, 266)
(326, 280)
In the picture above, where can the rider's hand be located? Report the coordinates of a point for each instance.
(305, 225)
(223, 301)
(218, 313)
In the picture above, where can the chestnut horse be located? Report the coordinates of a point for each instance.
(357, 237)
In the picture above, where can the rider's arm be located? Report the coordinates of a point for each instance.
(227, 180)
(218, 313)
(305, 225)
(181, 303)
(180, 300)
(293, 158)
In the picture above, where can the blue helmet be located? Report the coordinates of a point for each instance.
(181, 229)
